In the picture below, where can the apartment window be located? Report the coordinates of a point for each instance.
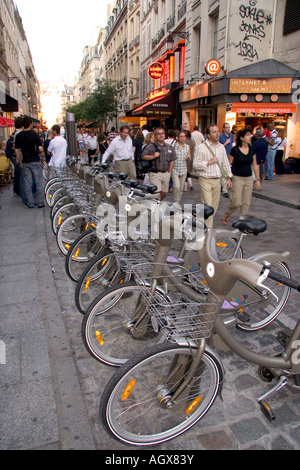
(291, 17)
(215, 30)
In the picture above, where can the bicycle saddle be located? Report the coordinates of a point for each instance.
(130, 183)
(207, 211)
(111, 176)
(122, 176)
(249, 224)
(149, 188)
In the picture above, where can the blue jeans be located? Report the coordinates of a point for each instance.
(33, 171)
(269, 167)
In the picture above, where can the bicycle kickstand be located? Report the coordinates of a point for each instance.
(266, 409)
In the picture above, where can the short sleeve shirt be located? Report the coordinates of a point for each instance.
(162, 163)
(28, 142)
(242, 164)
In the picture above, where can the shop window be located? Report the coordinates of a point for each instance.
(291, 17)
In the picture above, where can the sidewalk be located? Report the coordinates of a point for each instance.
(50, 386)
(40, 393)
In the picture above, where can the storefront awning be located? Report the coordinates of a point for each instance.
(165, 106)
(9, 105)
(264, 108)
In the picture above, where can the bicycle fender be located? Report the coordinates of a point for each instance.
(271, 257)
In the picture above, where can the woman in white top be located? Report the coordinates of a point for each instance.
(179, 173)
(282, 143)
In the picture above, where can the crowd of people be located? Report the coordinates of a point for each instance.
(231, 162)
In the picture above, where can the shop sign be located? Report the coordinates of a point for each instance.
(283, 108)
(157, 94)
(257, 85)
(213, 67)
(156, 71)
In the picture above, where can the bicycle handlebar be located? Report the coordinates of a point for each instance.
(284, 280)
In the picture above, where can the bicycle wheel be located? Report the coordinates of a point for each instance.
(133, 405)
(56, 179)
(51, 190)
(61, 202)
(265, 311)
(46, 172)
(57, 195)
(67, 210)
(101, 273)
(81, 253)
(107, 325)
(69, 230)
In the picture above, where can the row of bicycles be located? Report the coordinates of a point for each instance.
(155, 287)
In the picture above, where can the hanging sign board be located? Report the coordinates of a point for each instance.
(156, 71)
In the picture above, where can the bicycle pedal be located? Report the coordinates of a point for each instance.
(244, 317)
(283, 338)
(267, 411)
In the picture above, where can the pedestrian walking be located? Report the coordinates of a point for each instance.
(242, 159)
(197, 136)
(30, 156)
(179, 173)
(282, 143)
(211, 163)
(112, 135)
(102, 145)
(18, 186)
(272, 148)
(162, 158)
(122, 150)
(91, 148)
(226, 139)
(57, 149)
(260, 148)
(192, 144)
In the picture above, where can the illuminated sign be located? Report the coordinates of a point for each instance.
(258, 85)
(156, 71)
(266, 108)
(213, 67)
(157, 94)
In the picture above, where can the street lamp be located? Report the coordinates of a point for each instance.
(170, 40)
(19, 83)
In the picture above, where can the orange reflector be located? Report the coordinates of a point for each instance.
(59, 221)
(192, 405)
(128, 390)
(104, 261)
(67, 246)
(266, 405)
(99, 337)
(204, 282)
(77, 253)
(93, 225)
(50, 196)
(222, 244)
(86, 227)
(87, 283)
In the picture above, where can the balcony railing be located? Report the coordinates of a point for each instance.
(181, 10)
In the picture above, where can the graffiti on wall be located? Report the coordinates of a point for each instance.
(253, 24)
(250, 32)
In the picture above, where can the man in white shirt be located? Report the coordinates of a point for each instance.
(91, 147)
(57, 149)
(272, 148)
(197, 136)
(123, 156)
(211, 163)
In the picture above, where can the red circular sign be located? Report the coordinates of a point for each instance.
(156, 71)
(213, 67)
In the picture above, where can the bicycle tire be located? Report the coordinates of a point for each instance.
(46, 172)
(266, 311)
(57, 195)
(106, 327)
(65, 211)
(49, 183)
(141, 418)
(101, 273)
(51, 190)
(60, 203)
(69, 230)
(84, 249)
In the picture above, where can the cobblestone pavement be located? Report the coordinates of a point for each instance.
(236, 422)
(51, 387)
